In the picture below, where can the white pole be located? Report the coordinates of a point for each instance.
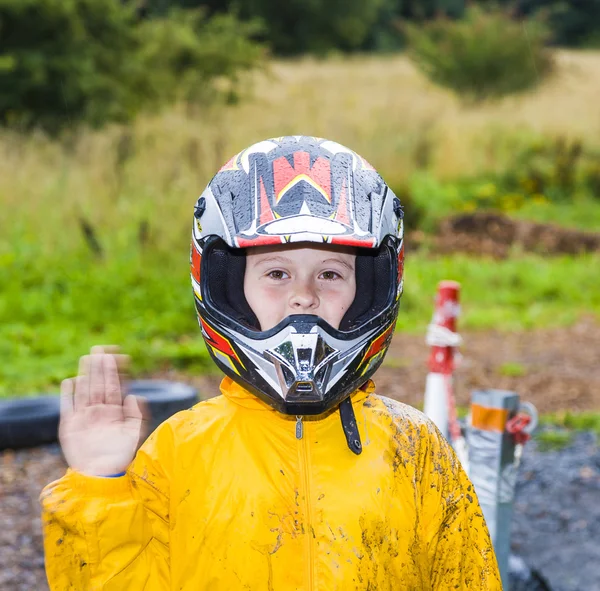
(439, 404)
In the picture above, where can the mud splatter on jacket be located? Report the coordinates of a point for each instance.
(224, 497)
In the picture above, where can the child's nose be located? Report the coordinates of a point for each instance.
(304, 297)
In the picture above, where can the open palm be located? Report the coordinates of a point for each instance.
(100, 427)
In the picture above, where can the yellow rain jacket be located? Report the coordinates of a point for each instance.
(224, 497)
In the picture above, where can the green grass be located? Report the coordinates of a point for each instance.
(582, 213)
(564, 425)
(580, 421)
(512, 369)
(54, 307)
(52, 310)
(553, 440)
(514, 294)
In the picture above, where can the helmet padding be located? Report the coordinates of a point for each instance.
(226, 283)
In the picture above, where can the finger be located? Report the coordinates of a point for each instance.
(97, 386)
(84, 365)
(136, 412)
(146, 420)
(123, 362)
(136, 407)
(82, 393)
(112, 383)
(99, 349)
(82, 384)
(66, 397)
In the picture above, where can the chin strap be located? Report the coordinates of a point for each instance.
(350, 427)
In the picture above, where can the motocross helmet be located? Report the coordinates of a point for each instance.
(288, 190)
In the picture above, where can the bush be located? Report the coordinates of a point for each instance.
(548, 180)
(197, 59)
(63, 61)
(485, 56)
(68, 62)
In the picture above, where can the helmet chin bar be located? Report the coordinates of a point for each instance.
(302, 363)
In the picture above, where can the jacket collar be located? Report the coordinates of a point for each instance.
(237, 394)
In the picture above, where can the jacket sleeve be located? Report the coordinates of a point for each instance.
(111, 533)
(458, 547)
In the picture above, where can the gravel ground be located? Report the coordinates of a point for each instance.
(556, 526)
(556, 519)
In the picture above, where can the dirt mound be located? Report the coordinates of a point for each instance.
(494, 234)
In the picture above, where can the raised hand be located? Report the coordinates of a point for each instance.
(100, 427)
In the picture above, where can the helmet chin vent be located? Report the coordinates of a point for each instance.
(304, 391)
(304, 387)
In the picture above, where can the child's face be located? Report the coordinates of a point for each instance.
(290, 279)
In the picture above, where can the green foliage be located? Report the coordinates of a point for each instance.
(557, 170)
(387, 34)
(52, 309)
(575, 23)
(298, 26)
(67, 62)
(188, 52)
(548, 180)
(485, 56)
(318, 26)
(64, 61)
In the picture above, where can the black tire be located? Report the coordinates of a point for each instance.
(164, 398)
(29, 422)
(523, 578)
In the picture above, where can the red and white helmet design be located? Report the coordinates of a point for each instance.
(297, 189)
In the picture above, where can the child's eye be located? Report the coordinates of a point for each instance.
(330, 275)
(277, 274)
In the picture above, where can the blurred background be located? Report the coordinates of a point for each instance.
(484, 117)
(116, 113)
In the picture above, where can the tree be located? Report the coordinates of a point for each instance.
(187, 52)
(66, 61)
(293, 27)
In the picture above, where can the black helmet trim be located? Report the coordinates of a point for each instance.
(302, 365)
(222, 280)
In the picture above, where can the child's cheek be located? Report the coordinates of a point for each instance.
(272, 298)
(273, 293)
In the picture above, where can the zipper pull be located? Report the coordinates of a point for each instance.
(299, 429)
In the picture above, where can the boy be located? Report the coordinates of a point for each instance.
(299, 476)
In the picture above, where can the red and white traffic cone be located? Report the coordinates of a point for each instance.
(440, 405)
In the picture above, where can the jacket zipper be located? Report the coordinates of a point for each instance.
(304, 466)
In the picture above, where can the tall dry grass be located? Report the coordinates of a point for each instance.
(380, 106)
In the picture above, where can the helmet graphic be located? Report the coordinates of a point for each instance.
(287, 190)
